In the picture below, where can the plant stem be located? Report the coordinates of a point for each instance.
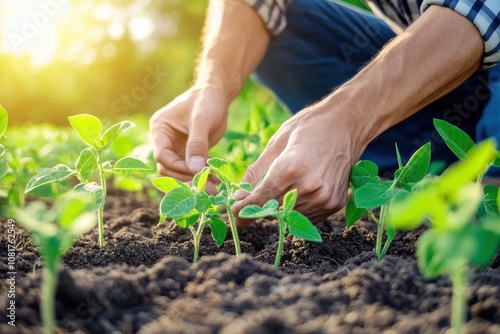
(380, 233)
(280, 242)
(197, 237)
(48, 295)
(459, 281)
(100, 212)
(234, 231)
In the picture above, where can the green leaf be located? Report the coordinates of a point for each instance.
(244, 186)
(177, 203)
(254, 212)
(161, 220)
(4, 120)
(463, 172)
(416, 168)
(200, 179)
(95, 193)
(490, 198)
(86, 163)
(352, 213)
(222, 169)
(363, 172)
(301, 227)
(372, 195)
(89, 129)
(271, 204)
(218, 229)
(457, 140)
(410, 213)
(187, 220)
(49, 175)
(202, 202)
(398, 156)
(4, 167)
(167, 183)
(221, 198)
(129, 164)
(70, 208)
(289, 202)
(114, 131)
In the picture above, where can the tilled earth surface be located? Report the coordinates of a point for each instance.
(143, 281)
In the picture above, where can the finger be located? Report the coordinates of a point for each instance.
(164, 154)
(197, 144)
(184, 177)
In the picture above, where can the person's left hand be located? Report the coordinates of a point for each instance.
(314, 152)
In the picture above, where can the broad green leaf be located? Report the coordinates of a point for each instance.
(4, 120)
(95, 193)
(188, 220)
(167, 183)
(177, 203)
(289, 202)
(352, 213)
(129, 164)
(127, 183)
(89, 129)
(70, 208)
(86, 163)
(463, 172)
(218, 229)
(363, 172)
(456, 139)
(200, 179)
(220, 199)
(202, 202)
(372, 195)
(114, 131)
(49, 175)
(271, 204)
(411, 212)
(4, 167)
(254, 212)
(39, 228)
(496, 162)
(416, 168)
(301, 227)
(490, 200)
(222, 169)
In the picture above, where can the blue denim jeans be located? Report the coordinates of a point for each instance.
(326, 43)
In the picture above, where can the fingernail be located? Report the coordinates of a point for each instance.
(196, 163)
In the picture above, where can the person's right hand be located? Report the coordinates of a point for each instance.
(186, 128)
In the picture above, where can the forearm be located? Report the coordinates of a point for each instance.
(431, 58)
(235, 42)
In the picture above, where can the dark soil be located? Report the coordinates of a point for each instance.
(143, 281)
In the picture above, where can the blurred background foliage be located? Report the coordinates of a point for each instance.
(110, 58)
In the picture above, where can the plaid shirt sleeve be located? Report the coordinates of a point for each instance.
(485, 14)
(272, 13)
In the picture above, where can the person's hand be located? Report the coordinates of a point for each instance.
(186, 128)
(313, 152)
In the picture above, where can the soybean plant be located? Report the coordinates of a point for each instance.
(458, 240)
(54, 232)
(370, 193)
(289, 220)
(89, 129)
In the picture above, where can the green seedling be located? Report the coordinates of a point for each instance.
(89, 129)
(370, 193)
(4, 119)
(460, 144)
(458, 240)
(54, 231)
(190, 207)
(289, 220)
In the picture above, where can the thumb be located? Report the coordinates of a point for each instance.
(197, 146)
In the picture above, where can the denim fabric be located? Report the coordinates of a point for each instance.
(325, 43)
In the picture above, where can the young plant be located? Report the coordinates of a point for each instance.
(191, 207)
(89, 129)
(289, 220)
(54, 231)
(370, 193)
(460, 144)
(4, 119)
(458, 239)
